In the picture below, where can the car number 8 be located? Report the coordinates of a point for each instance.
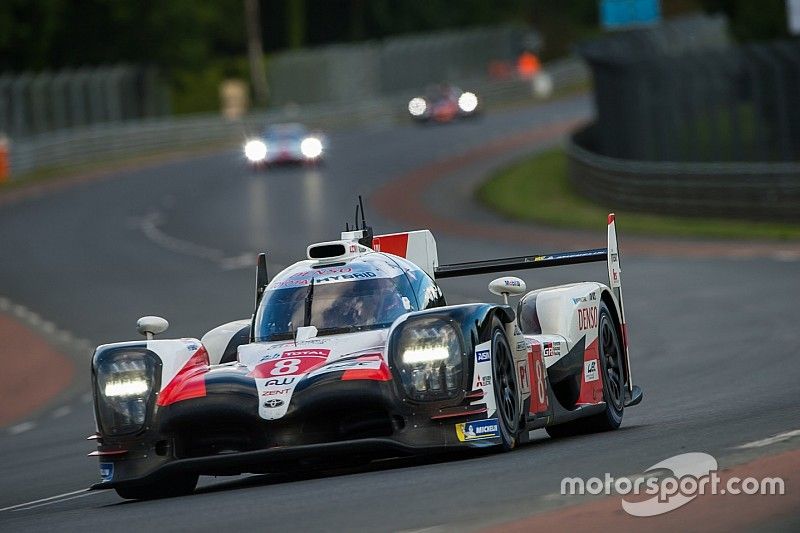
(540, 382)
(285, 367)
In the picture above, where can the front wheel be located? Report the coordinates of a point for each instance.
(506, 392)
(164, 488)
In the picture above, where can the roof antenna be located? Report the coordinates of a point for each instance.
(363, 216)
(356, 218)
(366, 236)
(346, 226)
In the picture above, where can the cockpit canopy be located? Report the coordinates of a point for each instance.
(366, 292)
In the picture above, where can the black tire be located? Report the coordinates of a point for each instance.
(609, 351)
(504, 379)
(165, 488)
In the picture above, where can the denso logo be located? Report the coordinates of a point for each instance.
(317, 352)
(280, 381)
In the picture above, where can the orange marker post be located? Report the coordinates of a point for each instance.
(5, 164)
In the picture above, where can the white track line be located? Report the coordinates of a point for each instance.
(62, 411)
(780, 437)
(91, 493)
(150, 224)
(21, 428)
(34, 502)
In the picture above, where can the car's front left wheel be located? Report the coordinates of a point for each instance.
(168, 487)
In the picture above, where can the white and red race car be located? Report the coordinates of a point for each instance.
(352, 355)
(443, 103)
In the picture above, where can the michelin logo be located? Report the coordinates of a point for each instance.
(478, 429)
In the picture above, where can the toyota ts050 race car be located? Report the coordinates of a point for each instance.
(353, 354)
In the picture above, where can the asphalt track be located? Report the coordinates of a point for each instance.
(714, 335)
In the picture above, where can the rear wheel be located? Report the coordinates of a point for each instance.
(177, 485)
(506, 392)
(609, 351)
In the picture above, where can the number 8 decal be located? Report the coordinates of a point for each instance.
(540, 383)
(285, 367)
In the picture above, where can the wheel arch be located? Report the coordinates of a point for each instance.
(613, 307)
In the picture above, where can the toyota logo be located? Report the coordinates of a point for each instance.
(273, 403)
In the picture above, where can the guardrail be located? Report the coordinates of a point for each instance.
(130, 138)
(740, 190)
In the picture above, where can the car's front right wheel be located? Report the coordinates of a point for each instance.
(504, 375)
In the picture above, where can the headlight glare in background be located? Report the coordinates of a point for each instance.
(311, 147)
(467, 102)
(417, 106)
(255, 150)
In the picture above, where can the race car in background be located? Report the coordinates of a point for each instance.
(443, 103)
(353, 354)
(285, 143)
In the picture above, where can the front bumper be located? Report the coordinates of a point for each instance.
(275, 459)
(223, 434)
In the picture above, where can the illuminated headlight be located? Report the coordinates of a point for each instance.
(124, 382)
(467, 102)
(126, 387)
(311, 147)
(429, 356)
(417, 107)
(255, 150)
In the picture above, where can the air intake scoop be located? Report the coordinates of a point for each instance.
(335, 250)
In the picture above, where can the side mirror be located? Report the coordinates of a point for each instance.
(150, 326)
(507, 285)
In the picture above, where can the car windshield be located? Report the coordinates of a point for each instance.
(285, 133)
(334, 307)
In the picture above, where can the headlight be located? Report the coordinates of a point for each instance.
(467, 102)
(429, 356)
(311, 147)
(125, 382)
(255, 150)
(417, 106)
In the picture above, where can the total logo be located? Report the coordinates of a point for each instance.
(479, 429)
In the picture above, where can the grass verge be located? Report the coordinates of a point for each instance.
(536, 189)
